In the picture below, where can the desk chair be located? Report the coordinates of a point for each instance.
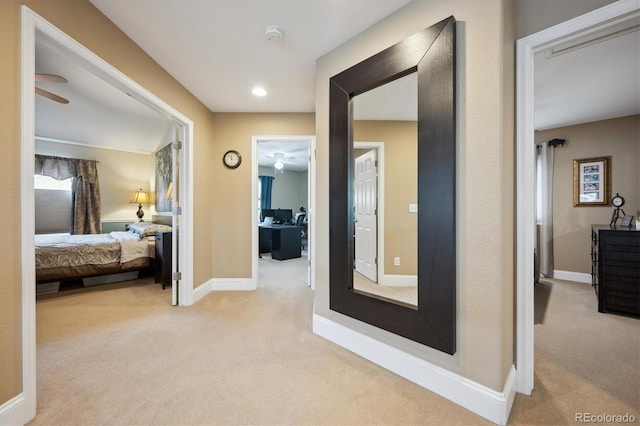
(300, 223)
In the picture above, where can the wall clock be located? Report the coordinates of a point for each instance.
(232, 159)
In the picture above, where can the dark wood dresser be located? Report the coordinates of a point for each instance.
(615, 268)
(163, 258)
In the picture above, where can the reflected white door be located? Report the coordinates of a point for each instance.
(365, 206)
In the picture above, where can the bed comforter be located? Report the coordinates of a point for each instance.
(60, 256)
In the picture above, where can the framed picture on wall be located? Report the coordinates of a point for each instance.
(164, 173)
(591, 182)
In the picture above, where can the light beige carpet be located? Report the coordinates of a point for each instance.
(122, 356)
(585, 361)
(405, 294)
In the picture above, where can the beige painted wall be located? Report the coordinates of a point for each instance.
(485, 180)
(80, 20)
(401, 188)
(120, 173)
(232, 203)
(618, 138)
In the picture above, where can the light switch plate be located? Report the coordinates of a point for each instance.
(413, 208)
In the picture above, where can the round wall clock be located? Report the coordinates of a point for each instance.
(232, 159)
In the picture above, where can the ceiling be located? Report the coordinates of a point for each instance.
(218, 50)
(588, 78)
(97, 114)
(293, 153)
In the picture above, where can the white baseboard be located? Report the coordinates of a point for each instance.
(580, 277)
(12, 412)
(223, 284)
(488, 403)
(399, 280)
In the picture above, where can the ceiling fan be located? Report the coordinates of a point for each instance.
(50, 78)
(279, 160)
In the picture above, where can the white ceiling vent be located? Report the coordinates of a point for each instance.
(273, 33)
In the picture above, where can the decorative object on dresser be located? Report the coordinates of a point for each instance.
(615, 268)
(163, 258)
(140, 197)
(618, 213)
(626, 220)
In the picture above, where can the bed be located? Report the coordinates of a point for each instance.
(112, 256)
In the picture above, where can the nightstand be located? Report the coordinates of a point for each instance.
(163, 258)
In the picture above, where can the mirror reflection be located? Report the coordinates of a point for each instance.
(385, 191)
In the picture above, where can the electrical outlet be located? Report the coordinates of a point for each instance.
(413, 208)
(396, 261)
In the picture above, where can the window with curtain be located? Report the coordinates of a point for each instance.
(85, 189)
(52, 205)
(265, 186)
(544, 208)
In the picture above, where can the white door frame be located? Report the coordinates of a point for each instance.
(311, 229)
(525, 152)
(379, 147)
(32, 23)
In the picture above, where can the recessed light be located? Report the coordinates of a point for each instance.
(259, 91)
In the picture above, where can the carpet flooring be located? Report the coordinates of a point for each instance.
(405, 294)
(121, 355)
(585, 361)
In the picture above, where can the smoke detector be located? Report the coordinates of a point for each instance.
(273, 33)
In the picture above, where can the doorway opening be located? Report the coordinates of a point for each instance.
(283, 205)
(525, 152)
(34, 28)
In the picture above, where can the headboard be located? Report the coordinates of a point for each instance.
(162, 219)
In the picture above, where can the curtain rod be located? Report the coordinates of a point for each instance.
(55, 157)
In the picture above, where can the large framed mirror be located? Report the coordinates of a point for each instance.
(429, 316)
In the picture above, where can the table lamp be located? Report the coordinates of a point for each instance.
(140, 197)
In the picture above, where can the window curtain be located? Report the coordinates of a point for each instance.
(266, 185)
(544, 207)
(85, 190)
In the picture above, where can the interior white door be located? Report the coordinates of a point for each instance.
(174, 196)
(365, 206)
(310, 213)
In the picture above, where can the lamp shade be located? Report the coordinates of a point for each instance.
(140, 197)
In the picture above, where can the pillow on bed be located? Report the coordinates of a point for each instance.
(148, 229)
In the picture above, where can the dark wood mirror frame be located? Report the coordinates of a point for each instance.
(430, 53)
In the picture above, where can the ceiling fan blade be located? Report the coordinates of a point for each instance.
(50, 78)
(51, 96)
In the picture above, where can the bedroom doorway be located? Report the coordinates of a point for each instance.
(34, 28)
(117, 136)
(525, 160)
(297, 154)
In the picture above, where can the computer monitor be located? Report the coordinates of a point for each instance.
(283, 215)
(267, 213)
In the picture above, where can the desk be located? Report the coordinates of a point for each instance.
(283, 241)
